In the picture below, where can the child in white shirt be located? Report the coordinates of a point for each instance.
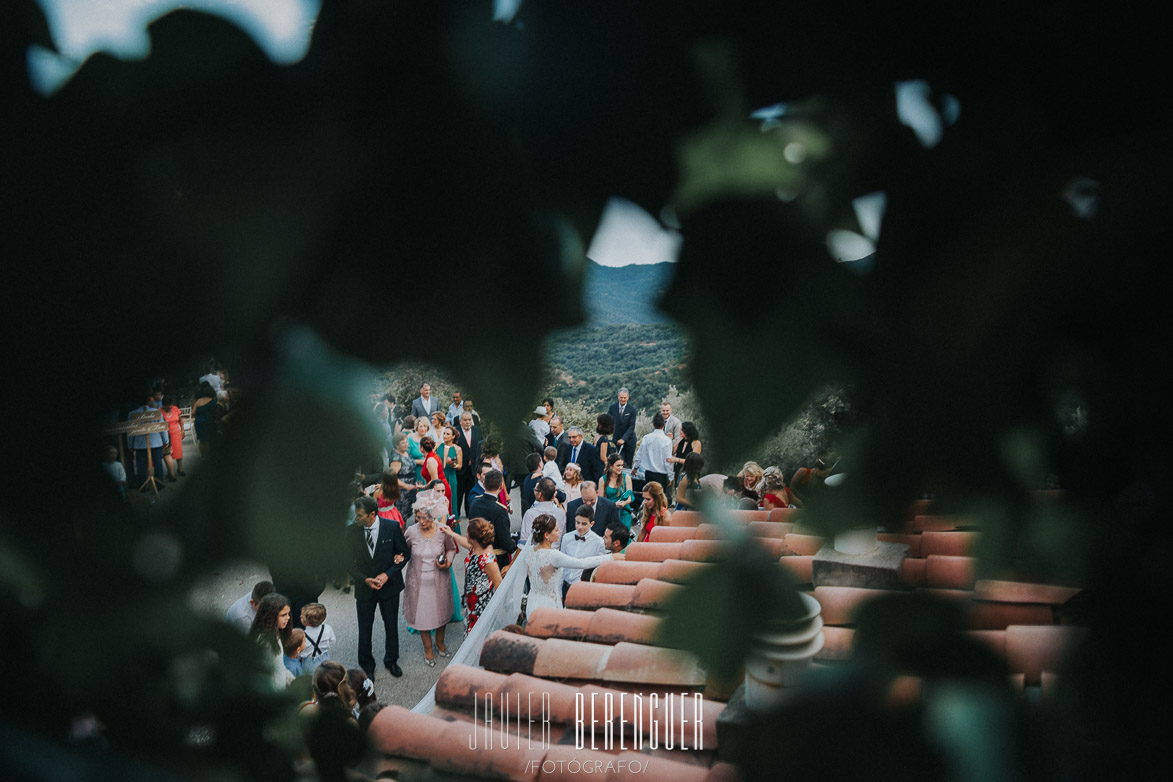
(550, 468)
(319, 636)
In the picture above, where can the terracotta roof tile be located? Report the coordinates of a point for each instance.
(912, 541)
(561, 659)
(840, 604)
(927, 523)
(651, 594)
(459, 684)
(609, 627)
(506, 757)
(704, 550)
(591, 595)
(953, 544)
(1015, 592)
(677, 571)
(626, 571)
(999, 616)
(1033, 650)
(919, 508)
(800, 567)
(771, 529)
(746, 516)
(1049, 681)
(956, 595)
(637, 663)
(446, 745)
(1017, 681)
(687, 518)
(653, 552)
(950, 572)
(836, 643)
(789, 515)
(914, 572)
(804, 545)
(558, 623)
(994, 639)
(555, 658)
(662, 534)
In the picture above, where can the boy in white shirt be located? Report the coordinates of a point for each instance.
(319, 637)
(581, 543)
(550, 467)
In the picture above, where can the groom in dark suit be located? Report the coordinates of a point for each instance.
(378, 553)
(583, 454)
(624, 414)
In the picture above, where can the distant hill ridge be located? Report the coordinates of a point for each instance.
(625, 294)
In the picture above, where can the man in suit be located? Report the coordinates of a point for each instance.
(557, 436)
(624, 414)
(581, 453)
(469, 439)
(606, 513)
(425, 404)
(378, 553)
(488, 507)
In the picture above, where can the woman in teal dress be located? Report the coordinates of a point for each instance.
(450, 457)
(413, 447)
(615, 485)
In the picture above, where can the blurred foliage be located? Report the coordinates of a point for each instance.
(205, 201)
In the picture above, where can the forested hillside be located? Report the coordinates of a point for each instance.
(589, 364)
(625, 294)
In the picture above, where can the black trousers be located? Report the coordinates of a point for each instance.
(389, 608)
(464, 484)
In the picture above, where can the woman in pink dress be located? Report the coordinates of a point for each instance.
(427, 592)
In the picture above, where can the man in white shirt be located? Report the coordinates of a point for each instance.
(583, 542)
(424, 405)
(244, 610)
(655, 449)
(544, 493)
(550, 467)
(454, 409)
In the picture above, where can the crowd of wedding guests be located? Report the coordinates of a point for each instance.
(438, 491)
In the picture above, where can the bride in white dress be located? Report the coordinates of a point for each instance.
(546, 563)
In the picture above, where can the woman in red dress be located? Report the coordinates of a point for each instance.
(433, 468)
(387, 494)
(654, 511)
(174, 418)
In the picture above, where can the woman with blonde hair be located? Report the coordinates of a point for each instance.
(654, 511)
(750, 476)
(773, 490)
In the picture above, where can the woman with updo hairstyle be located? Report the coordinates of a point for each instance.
(414, 450)
(387, 494)
(546, 563)
(482, 575)
(271, 629)
(654, 511)
(403, 466)
(332, 735)
(772, 488)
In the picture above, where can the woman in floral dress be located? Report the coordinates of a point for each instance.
(481, 574)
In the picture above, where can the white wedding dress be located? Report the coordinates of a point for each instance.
(545, 576)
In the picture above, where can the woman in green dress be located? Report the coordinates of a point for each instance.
(615, 485)
(450, 457)
(413, 447)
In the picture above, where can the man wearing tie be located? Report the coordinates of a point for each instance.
(468, 439)
(378, 554)
(581, 453)
(624, 414)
